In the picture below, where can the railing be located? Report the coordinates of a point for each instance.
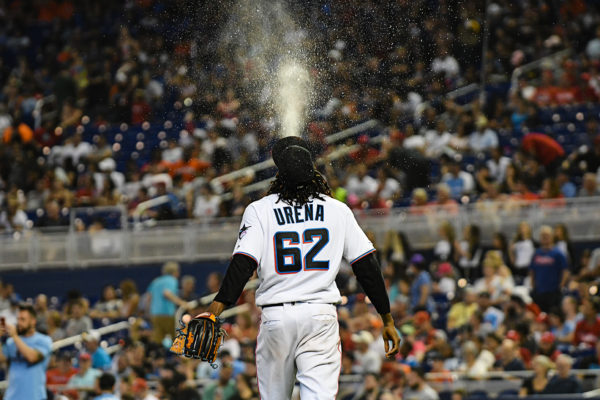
(269, 163)
(211, 240)
(204, 301)
(551, 60)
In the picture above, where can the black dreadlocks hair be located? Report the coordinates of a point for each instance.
(299, 195)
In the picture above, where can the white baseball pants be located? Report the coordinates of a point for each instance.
(298, 341)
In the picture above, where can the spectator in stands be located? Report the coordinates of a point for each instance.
(52, 216)
(467, 253)
(593, 360)
(592, 49)
(483, 138)
(589, 186)
(491, 315)
(548, 271)
(567, 188)
(547, 346)
(360, 185)
(370, 389)
(207, 204)
(497, 164)
(130, 298)
(224, 388)
(109, 306)
(27, 353)
(42, 312)
(85, 379)
(106, 387)
(587, 330)
(188, 286)
(533, 175)
(563, 382)
(140, 390)
(55, 330)
(78, 322)
(460, 313)
(444, 248)
(522, 250)
(163, 301)
(460, 182)
(367, 360)
(475, 363)
(58, 377)
(417, 387)
(544, 149)
(509, 357)
(421, 286)
(100, 358)
(537, 383)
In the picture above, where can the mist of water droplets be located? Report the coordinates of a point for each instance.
(265, 39)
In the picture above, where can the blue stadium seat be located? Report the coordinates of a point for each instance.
(477, 395)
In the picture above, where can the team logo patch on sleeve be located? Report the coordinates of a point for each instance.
(243, 231)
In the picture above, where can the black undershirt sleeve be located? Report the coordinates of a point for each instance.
(238, 273)
(369, 276)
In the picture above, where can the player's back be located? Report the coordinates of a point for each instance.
(299, 248)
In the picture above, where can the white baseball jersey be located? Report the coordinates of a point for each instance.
(298, 249)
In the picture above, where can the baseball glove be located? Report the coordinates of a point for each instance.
(201, 338)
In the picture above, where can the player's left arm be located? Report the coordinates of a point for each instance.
(238, 273)
(369, 276)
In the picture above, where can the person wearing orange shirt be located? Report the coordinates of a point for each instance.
(17, 130)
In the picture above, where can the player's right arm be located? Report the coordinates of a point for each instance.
(246, 256)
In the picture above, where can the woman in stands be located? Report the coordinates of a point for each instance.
(521, 250)
(444, 248)
(537, 383)
(467, 253)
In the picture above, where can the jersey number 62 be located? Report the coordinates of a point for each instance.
(289, 260)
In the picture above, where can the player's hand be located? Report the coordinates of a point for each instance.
(390, 334)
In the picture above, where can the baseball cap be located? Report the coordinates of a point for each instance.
(417, 259)
(362, 337)
(444, 268)
(513, 335)
(139, 384)
(85, 357)
(547, 337)
(91, 336)
(440, 334)
(363, 139)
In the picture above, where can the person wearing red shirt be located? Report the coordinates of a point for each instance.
(587, 330)
(545, 149)
(365, 153)
(58, 377)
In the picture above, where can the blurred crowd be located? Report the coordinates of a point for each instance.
(465, 310)
(85, 85)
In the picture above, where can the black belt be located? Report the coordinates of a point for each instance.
(281, 304)
(291, 303)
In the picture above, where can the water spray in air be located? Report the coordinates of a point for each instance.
(264, 37)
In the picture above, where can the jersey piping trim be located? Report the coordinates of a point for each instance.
(246, 254)
(362, 256)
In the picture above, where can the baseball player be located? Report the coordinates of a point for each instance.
(296, 237)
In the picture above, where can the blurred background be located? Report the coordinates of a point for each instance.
(464, 135)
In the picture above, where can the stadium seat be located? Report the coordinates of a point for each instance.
(477, 395)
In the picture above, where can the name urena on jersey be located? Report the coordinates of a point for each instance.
(298, 214)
